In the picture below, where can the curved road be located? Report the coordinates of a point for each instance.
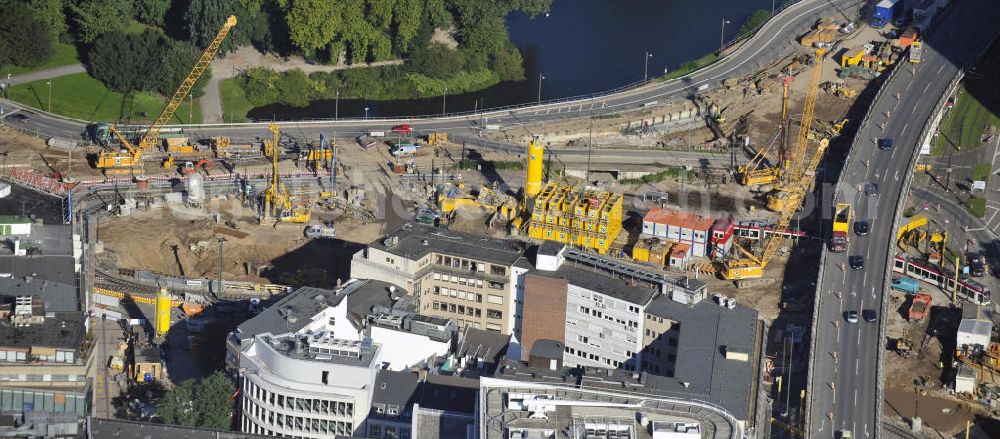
(765, 47)
(844, 379)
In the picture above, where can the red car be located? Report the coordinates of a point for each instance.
(404, 128)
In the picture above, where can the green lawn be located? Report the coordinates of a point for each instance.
(690, 66)
(82, 97)
(977, 206)
(234, 102)
(981, 172)
(964, 124)
(65, 54)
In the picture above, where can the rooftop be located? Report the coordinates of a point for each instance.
(414, 241)
(46, 272)
(294, 311)
(547, 349)
(396, 388)
(118, 429)
(62, 330)
(678, 218)
(330, 350)
(449, 393)
(599, 280)
(477, 343)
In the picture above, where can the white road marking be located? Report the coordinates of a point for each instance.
(905, 126)
(928, 86)
(940, 69)
(857, 364)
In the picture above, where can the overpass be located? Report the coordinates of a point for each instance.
(846, 373)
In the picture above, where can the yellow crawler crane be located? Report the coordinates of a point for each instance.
(277, 203)
(129, 156)
(796, 183)
(752, 174)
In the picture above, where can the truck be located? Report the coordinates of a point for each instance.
(918, 307)
(842, 216)
(916, 52)
(906, 284)
(320, 231)
(885, 12)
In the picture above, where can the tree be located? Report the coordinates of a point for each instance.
(293, 88)
(204, 404)
(437, 61)
(313, 23)
(50, 14)
(204, 18)
(129, 62)
(178, 59)
(92, 18)
(508, 64)
(24, 41)
(406, 20)
(151, 12)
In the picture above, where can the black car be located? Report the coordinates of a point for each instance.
(885, 144)
(861, 227)
(869, 315)
(857, 262)
(871, 189)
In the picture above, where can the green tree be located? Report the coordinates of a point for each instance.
(312, 24)
(151, 12)
(50, 14)
(202, 404)
(127, 62)
(293, 88)
(437, 61)
(406, 19)
(92, 18)
(204, 18)
(24, 41)
(437, 14)
(508, 64)
(178, 59)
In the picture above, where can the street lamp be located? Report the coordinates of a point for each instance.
(722, 35)
(336, 107)
(444, 101)
(366, 113)
(540, 78)
(49, 83)
(645, 68)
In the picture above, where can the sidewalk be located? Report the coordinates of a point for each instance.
(47, 73)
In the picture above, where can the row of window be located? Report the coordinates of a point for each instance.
(263, 418)
(305, 405)
(459, 294)
(375, 432)
(594, 357)
(41, 378)
(600, 314)
(11, 356)
(468, 264)
(466, 310)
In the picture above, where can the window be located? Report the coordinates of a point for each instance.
(494, 299)
(437, 305)
(494, 314)
(498, 270)
(581, 338)
(326, 376)
(492, 327)
(333, 321)
(496, 285)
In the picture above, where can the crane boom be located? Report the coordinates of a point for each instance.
(149, 140)
(794, 188)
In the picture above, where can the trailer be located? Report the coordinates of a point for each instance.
(885, 12)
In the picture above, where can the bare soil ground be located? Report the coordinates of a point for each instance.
(267, 253)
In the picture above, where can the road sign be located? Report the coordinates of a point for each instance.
(979, 184)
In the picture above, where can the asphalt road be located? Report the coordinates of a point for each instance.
(765, 47)
(844, 380)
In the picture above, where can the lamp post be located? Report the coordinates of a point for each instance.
(49, 83)
(336, 107)
(366, 113)
(645, 68)
(540, 78)
(722, 35)
(190, 108)
(444, 101)
(772, 7)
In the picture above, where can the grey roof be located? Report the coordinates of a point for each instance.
(490, 346)
(47, 272)
(705, 329)
(976, 327)
(602, 282)
(449, 393)
(118, 429)
(147, 354)
(550, 248)
(548, 349)
(396, 388)
(414, 241)
(306, 302)
(64, 330)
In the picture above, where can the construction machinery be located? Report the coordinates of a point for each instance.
(129, 156)
(320, 156)
(277, 203)
(823, 34)
(192, 167)
(839, 89)
(753, 173)
(437, 138)
(840, 237)
(796, 182)
(916, 52)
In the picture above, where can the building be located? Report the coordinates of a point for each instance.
(43, 358)
(434, 406)
(723, 232)
(681, 228)
(146, 364)
(590, 220)
(97, 428)
(974, 331)
(471, 279)
(481, 351)
(391, 413)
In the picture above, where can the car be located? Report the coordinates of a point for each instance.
(871, 189)
(869, 315)
(885, 144)
(845, 434)
(857, 262)
(851, 316)
(861, 227)
(402, 128)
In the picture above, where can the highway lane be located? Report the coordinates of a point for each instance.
(765, 47)
(844, 380)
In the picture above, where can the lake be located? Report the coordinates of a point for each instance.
(581, 47)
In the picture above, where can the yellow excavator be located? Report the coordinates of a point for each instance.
(129, 157)
(796, 182)
(277, 203)
(753, 174)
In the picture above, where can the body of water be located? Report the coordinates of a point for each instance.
(581, 47)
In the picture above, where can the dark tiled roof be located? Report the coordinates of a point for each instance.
(490, 346)
(414, 241)
(396, 388)
(449, 393)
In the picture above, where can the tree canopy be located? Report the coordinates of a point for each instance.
(204, 403)
(148, 61)
(24, 39)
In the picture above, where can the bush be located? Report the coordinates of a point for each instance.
(756, 19)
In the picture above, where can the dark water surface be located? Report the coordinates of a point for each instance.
(581, 47)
